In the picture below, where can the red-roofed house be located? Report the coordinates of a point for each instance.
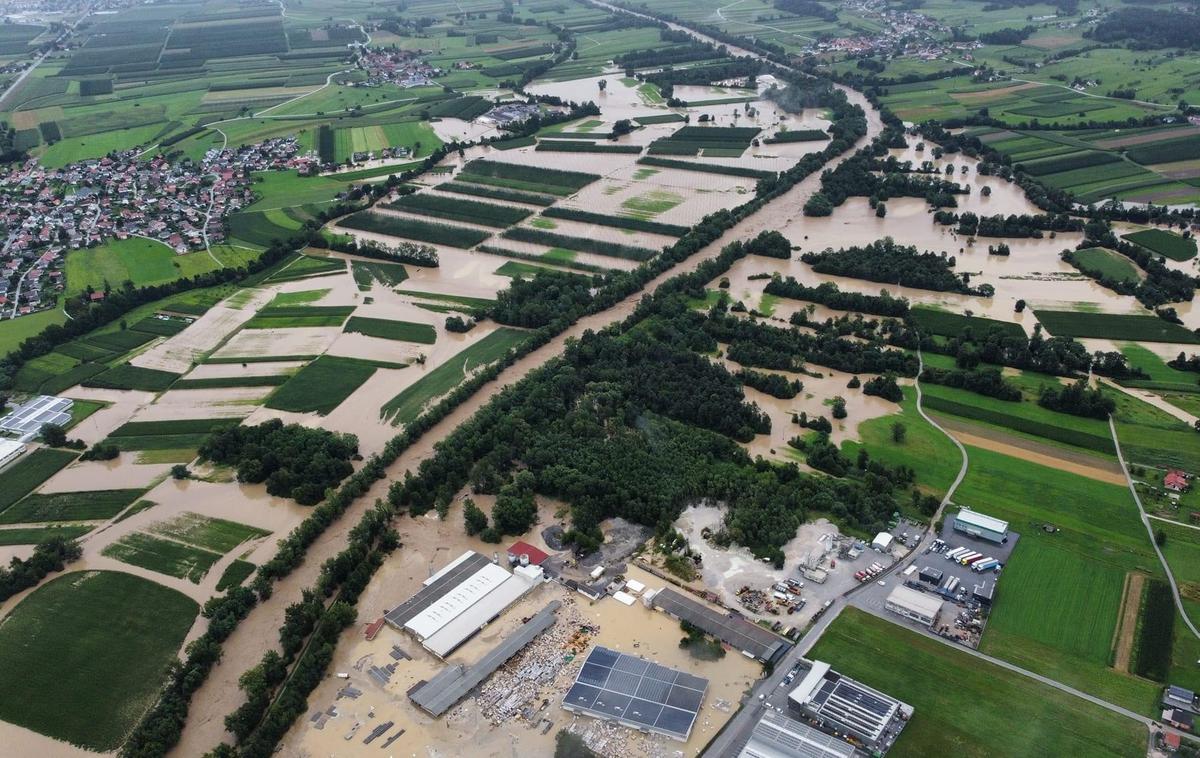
(518, 549)
(1176, 481)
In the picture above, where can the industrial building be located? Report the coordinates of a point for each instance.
(453, 683)
(849, 709)
(10, 451)
(25, 421)
(780, 736)
(913, 605)
(882, 542)
(458, 601)
(980, 526)
(636, 693)
(752, 640)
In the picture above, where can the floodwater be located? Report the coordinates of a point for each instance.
(179, 353)
(465, 730)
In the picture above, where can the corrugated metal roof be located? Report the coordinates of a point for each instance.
(974, 518)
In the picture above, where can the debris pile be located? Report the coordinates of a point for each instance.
(515, 690)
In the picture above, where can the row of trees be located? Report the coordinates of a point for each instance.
(1013, 225)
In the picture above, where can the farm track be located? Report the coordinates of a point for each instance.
(1131, 602)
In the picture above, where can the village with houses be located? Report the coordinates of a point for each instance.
(47, 212)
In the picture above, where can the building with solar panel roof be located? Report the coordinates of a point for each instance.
(636, 693)
(849, 709)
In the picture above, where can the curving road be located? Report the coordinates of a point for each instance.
(1112, 427)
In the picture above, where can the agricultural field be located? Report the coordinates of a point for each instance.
(321, 385)
(987, 711)
(30, 472)
(1164, 243)
(407, 405)
(75, 675)
(69, 506)
(404, 331)
(1101, 263)
(1114, 326)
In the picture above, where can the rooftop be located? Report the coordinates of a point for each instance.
(974, 518)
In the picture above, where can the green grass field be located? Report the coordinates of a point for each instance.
(74, 674)
(141, 261)
(321, 385)
(928, 452)
(34, 535)
(407, 405)
(1164, 243)
(404, 331)
(950, 324)
(1114, 326)
(69, 506)
(968, 708)
(215, 534)
(1162, 376)
(14, 331)
(368, 273)
(163, 556)
(235, 575)
(1102, 263)
(130, 377)
(30, 472)
(294, 316)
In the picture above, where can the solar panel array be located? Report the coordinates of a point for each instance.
(44, 409)
(637, 692)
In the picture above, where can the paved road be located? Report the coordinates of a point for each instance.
(1112, 427)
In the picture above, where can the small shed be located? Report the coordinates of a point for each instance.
(882, 542)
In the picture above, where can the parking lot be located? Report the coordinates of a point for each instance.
(963, 615)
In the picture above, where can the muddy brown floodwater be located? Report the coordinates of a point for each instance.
(219, 694)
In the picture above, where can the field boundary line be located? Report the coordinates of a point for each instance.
(1150, 531)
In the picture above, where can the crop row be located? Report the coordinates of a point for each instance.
(620, 222)
(707, 168)
(1017, 423)
(581, 244)
(568, 146)
(498, 193)
(536, 175)
(438, 234)
(455, 209)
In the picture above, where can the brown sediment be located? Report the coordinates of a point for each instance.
(1131, 604)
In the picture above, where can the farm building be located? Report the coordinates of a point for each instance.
(849, 708)
(978, 525)
(882, 542)
(10, 451)
(636, 693)
(1176, 481)
(752, 640)
(1179, 698)
(913, 605)
(523, 550)
(25, 421)
(461, 599)
(779, 736)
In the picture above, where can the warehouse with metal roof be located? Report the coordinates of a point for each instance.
(914, 605)
(10, 451)
(453, 683)
(25, 421)
(751, 639)
(461, 599)
(846, 707)
(780, 736)
(979, 525)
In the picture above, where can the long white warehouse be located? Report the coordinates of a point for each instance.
(461, 599)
